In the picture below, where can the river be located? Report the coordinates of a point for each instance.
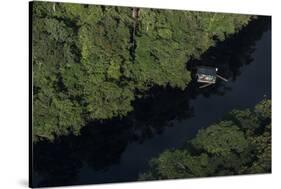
(119, 150)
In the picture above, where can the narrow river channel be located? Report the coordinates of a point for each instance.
(119, 150)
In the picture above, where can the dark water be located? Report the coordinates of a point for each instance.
(119, 150)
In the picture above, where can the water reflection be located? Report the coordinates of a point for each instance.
(101, 145)
(230, 56)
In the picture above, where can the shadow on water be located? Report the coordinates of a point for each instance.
(99, 154)
(231, 55)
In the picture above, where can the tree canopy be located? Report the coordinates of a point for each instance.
(87, 66)
(235, 145)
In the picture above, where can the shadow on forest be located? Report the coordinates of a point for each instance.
(100, 145)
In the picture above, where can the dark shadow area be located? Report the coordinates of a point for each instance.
(230, 55)
(102, 146)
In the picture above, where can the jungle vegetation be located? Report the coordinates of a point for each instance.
(91, 62)
(238, 144)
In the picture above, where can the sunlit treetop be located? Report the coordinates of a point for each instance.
(88, 66)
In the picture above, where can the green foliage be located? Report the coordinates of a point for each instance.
(86, 68)
(177, 164)
(221, 139)
(167, 39)
(226, 148)
(263, 109)
(244, 118)
(263, 151)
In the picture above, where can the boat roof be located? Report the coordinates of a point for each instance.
(206, 70)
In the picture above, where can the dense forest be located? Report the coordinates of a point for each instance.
(91, 62)
(238, 144)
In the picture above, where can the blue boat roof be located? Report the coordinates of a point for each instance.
(206, 70)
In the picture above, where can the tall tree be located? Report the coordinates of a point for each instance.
(86, 66)
(226, 148)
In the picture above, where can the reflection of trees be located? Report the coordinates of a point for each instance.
(155, 112)
(239, 144)
(55, 163)
(100, 145)
(230, 55)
